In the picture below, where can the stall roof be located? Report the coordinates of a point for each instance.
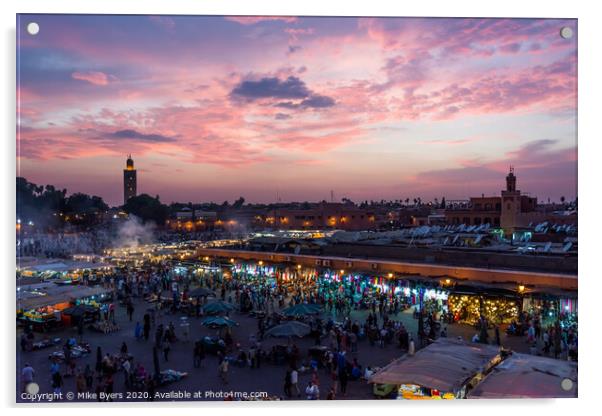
(66, 266)
(527, 376)
(444, 365)
(53, 294)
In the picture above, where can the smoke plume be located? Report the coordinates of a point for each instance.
(133, 233)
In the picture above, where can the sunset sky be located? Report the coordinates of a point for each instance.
(212, 108)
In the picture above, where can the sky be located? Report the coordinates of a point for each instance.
(216, 107)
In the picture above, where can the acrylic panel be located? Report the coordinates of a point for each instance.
(218, 208)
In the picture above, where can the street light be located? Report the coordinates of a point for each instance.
(390, 275)
(521, 288)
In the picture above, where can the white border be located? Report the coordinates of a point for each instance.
(590, 68)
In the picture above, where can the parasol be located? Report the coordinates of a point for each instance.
(289, 329)
(302, 309)
(218, 307)
(218, 322)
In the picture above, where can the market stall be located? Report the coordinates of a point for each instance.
(523, 376)
(550, 307)
(469, 307)
(443, 370)
(41, 305)
(65, 272)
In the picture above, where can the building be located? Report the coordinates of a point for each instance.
(507, 211)
(511, 211)
(325, 215)
(129, 180)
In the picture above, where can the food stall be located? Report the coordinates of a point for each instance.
(40, 305)
(523, 376)
(65, 272)
(446, 369)
(498, 303)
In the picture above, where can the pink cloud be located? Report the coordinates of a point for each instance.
(543, 169)
(93, 77)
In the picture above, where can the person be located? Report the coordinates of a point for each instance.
(312, 391)
(443, 333)
(127, 373)
(89, 375)
(146, 327)
(27, 375)
(411, 347)
(80, 382)
(130, 310)
(138, 331)
(331, 395)
(54, 368)
(223, 371)
(57, 382)
(124, 348)
(497, 335)
(166, 347)
(24, 342)
(546, 342)
(295, 382)
(531, 334)
(334, 379)
(353, 341)
(343, 379)
(196, 356)
(159, 335)
(150, 388)
(287, 384)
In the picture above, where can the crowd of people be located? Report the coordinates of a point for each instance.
(265, 296)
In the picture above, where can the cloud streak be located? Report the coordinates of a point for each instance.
(129, 134)
(93, 77)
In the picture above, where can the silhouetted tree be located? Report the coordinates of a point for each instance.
(238, 203)
(147, 208)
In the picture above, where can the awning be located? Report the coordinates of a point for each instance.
(528, 376)
(27, 300)
(445, 365)
(65, 266)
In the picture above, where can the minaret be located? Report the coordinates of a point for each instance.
(129, 180)
(511, 204)
(511, 180)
